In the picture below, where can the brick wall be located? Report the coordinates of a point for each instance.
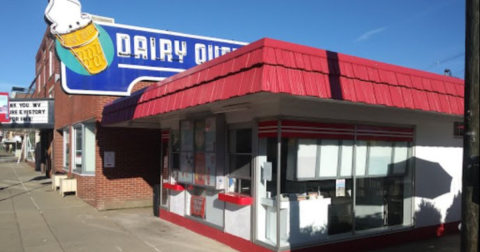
(137, 167)
(137, 151)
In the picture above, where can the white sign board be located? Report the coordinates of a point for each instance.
(32, 112)
(109, 159)
(267, 171)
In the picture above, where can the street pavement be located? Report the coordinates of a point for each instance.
(34, 218)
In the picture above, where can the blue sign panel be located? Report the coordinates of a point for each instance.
(108, 59)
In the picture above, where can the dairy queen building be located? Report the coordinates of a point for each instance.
(267, 146)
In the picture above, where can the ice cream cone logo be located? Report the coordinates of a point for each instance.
(76, 32)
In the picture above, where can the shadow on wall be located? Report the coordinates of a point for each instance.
(454, 212)
(428, 213)
(432, 182)
(432, 179)
(137, 153)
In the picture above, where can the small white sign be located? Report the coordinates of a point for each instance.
(267, 171)
(220, 183)
(109, 159)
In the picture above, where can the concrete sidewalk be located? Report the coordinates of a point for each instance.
(33, 217)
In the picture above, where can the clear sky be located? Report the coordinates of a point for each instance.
(422, 34)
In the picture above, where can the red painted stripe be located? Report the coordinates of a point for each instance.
(361, 244)
(174, 187)
(236, 198)
(363, 128)
(316, 124)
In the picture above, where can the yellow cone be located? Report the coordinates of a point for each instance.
(86, 47)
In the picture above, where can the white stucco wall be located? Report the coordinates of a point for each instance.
(237, 220)
(438, 159)
(437, 152)
(177, 202)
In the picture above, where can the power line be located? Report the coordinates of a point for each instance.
(443, 61)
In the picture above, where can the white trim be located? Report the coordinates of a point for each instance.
(130, 86)
(149, 68)
(84, 174)
(65, 144)
(171, 33)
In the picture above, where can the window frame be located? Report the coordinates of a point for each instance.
(66, 136)
(76, 128)
(82, 170)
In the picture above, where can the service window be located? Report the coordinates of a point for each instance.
(240, 160)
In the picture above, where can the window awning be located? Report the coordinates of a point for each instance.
(280, 67)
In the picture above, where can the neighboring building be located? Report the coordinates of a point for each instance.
(278, 146)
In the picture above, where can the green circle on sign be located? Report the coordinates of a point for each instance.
(67, 57)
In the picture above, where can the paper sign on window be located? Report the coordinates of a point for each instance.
(340, 187)
(197, 206)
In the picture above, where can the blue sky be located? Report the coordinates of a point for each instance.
(422, 34)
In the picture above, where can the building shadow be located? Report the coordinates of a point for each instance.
(454, 212)
(334, 76)
(38, 178)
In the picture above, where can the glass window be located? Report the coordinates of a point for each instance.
(240, 160)
(89, 148)
(329, 158)
(322, 198)
(66, 149)
(383, 198)
(175, 166)
(361, 158)
(307, 158)
(346, 161)
(84, 148)
(187, 138)
(400, 158)
(165, 172)
(380, 157)
(78, 133)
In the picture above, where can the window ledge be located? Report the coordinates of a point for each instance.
(236, 198)
(174, 187)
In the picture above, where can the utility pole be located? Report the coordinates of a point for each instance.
(470, 215)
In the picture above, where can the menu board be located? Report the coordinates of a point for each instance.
(200, 174)
(210, 134)
(186, 167)
(197, 148)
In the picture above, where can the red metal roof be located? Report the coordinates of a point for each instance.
(279, 67)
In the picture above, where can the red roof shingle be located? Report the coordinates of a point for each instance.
(279, 67)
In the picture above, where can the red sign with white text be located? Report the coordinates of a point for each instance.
(197, 206)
